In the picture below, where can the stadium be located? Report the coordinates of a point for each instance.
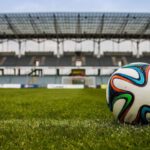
(68, 58)
(69, 48)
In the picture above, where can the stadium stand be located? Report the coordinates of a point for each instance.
(55, 66)
(54, 61)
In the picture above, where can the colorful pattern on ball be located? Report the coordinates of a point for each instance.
(128, 94)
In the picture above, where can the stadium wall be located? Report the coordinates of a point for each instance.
(44, 80)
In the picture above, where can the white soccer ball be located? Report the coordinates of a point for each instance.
(128, 94)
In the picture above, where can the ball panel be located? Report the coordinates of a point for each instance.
(148, 116)
(123, 85)
(118, 106)
(128, 71)
(128, 103)
(144, 110)
(138, 81)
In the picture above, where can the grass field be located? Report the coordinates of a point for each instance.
(64, 120)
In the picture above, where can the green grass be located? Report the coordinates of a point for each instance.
(64, 120)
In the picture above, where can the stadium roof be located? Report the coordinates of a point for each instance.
(74, 25)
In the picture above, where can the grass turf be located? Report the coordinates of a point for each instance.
(64, 120)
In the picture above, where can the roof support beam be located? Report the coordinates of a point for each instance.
(12, 27)
(56, 26)
(58, 49)
(144, 28)
(94, 47)
(20, 46)
(74, 36)
(123, 26)
(101, 25)
(99, 49)
(138, 49)
(78, 26)
(63, 47)
(34, 25)
(78, 29)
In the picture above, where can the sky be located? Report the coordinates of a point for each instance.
(74, 5)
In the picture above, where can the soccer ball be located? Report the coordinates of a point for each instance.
(128, 94)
